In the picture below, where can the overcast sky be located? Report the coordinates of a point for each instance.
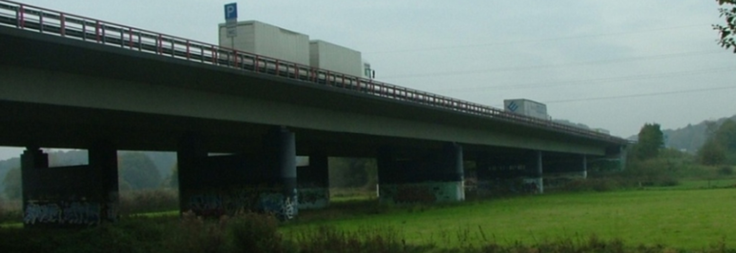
(607, 64)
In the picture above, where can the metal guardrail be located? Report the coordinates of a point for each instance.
(70, 26)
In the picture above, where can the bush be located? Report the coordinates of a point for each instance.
(725, 171)
(10, 211)
(252, 232)
(654, 172)
(194, 234)
(145, 201)
(329, 239)
(592, 184)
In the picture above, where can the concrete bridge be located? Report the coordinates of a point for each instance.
(74, 82)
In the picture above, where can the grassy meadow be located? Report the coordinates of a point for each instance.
(686, 217)
(693, 216)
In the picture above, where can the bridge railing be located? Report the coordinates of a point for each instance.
(70, 26)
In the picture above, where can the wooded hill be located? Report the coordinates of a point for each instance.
(691, 137)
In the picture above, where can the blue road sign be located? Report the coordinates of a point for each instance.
(231, 11)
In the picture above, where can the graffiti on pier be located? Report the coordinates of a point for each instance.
(82, 213)
(217, 202)
(283, 207)
(71, 212)
(42, 213)
(508, 186)
(313, 198)
(422, 192)
(206, 204)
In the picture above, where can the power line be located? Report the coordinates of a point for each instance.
(640, 95)
(639, 58)
(532, 41)
(536, 85)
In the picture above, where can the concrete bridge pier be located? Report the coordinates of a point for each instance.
(103, 158)
(191, 157)
(70, 196)
(433, 177)
(314, 183)
(534, 181)
(264, 181)
(584, 172)
(623, 153)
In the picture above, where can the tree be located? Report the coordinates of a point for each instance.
(12, 184)
(726, 135)
(138, 171)
(727, 32)
(172, 181)
(712, 153)
(721, 142)
(651, 139)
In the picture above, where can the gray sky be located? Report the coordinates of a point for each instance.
(607, 64)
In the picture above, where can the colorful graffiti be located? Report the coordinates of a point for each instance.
(72, 213)
(217, 202)
(313, 198)
(429, 192)
(42, 213)
(206, 204)
(509, 186)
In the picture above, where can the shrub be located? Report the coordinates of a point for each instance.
(252, 232)
(144, 201)
(329, 239)
(10, 211)
(592, 184)
(654, 172)
(194, 234)
(725, 171)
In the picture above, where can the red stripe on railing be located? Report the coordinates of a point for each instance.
(130, 38)
(235, 61)
(187, 49)
(159, 44)
(97, 30)
(214, 55)
(22, 21)
(63, 25)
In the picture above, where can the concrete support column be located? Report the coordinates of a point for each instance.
(70, 196)
(32, 160)
(314, 183)
(190, 158)
(280, 154)
(103, 158)
(264, 181)
(434, 177)
(623, 154)
(535, 180)
(585, 167)
(452, 171)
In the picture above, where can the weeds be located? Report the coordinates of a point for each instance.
(142, 201)
(10, 211)
(251, 232)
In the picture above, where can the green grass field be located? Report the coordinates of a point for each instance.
(691, 216)
(688, 218)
